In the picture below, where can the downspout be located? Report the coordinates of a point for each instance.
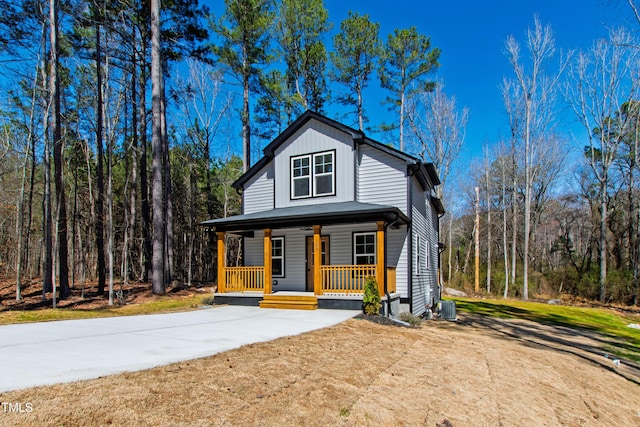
(440, 259)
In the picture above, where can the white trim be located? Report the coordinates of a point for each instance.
(366, 254)
(280, 257)
(331, 173)
(306, 177)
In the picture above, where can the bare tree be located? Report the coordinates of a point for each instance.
(439, 128)
(503, 202)
(533, 92)
(602, 80)
(488, 195)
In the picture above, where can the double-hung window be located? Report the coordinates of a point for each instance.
(364, 248)
(313, 175)
(277, 256)
(323, 177)
(300, 177)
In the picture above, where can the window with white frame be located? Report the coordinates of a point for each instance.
(277, 256)
(300, 177)
(323, 176)
(364, 248)
(313, 175)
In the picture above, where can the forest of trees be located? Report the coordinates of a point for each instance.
(125, 123)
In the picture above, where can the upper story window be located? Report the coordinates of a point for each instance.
(313, 175)
(300, 177)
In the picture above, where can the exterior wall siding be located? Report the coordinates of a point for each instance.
(365, 174)
(315, 137)
(258, 192)
(381, 178)
(425, 273)
(253, 255)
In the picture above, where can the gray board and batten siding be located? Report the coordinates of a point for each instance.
(364, 172)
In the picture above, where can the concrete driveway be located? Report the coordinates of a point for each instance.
(37, 354)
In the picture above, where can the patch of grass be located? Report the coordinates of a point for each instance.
(210, 300)
(162, 305)
(410, 318)
(344, 412)
(604, 321)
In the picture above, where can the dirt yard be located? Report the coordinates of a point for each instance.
(82, 297)
(474, 372)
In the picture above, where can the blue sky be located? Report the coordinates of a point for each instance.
(471, 35)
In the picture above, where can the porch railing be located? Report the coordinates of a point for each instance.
(336, 279)
(244, 279)
(345, 279)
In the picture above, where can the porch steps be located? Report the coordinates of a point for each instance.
(295, 302)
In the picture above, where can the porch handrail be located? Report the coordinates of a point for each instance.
(244, 279)
(345, 279)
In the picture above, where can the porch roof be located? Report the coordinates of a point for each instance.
(307, 215)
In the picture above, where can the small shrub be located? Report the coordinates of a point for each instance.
(371, 299)
(208, 300)
(410, 318)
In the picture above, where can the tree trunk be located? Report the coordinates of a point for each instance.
(488, 230)
(99, 206)
(603, 239)
(246, 129)
(20, 257)
(402, 101)
(58, 159)
(527, 199)
(134, 168)
(157, 261)
(477, 243)
(110, 218)
(514, 222)
(504, 232)
(144, 185)
(449, 240)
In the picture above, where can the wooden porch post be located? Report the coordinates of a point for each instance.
(317, 260)
(222, 256)
(268, 266)
(380, 267)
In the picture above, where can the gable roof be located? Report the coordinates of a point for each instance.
(423, 169)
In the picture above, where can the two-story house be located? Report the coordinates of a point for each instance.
(325, 208)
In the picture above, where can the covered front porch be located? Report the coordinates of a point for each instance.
(344, 279)
(318, 242)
